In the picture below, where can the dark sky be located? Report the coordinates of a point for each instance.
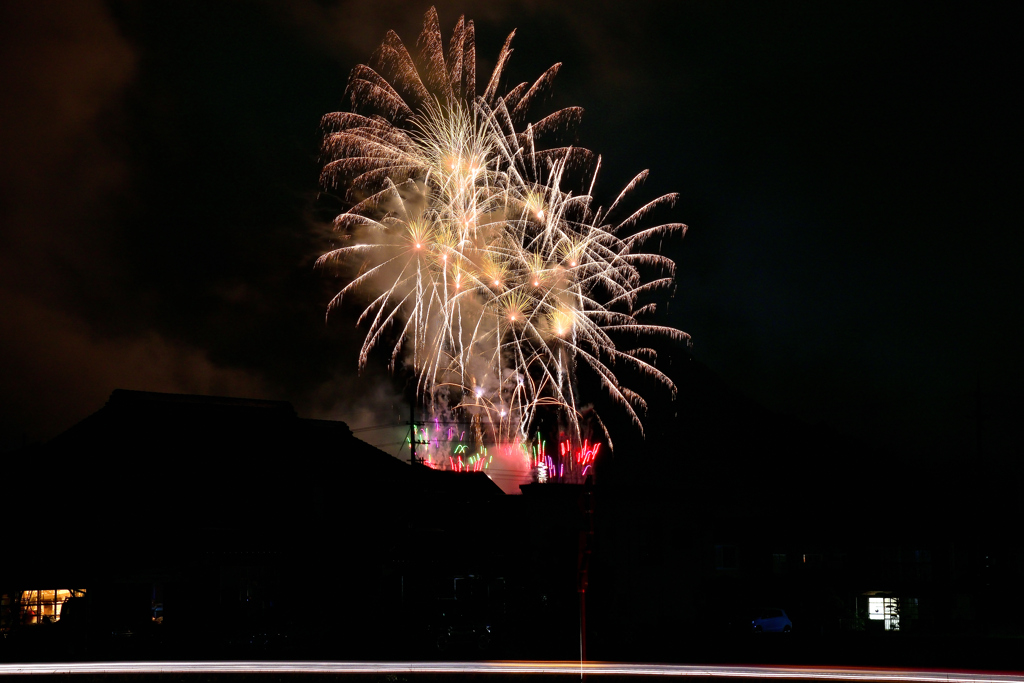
(847, 171)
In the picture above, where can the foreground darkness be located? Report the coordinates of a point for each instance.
(209, 528)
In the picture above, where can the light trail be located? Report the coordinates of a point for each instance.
(866, 674)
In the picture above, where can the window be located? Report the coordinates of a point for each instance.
(885, 609)
(44, 605)
(726, 557)
(811, 561)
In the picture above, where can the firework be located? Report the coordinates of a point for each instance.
(486, 273)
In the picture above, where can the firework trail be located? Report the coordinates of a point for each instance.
(485, 272)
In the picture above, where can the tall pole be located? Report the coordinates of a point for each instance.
(412, 433)
(583, 572)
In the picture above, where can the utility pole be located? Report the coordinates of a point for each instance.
(583, 567)
(413, 436)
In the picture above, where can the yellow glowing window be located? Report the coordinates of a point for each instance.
(38, 606)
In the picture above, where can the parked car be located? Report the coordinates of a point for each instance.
(771, 620)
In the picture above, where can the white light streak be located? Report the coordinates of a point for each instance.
(866, 675)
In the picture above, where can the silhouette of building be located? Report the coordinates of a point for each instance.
(211, 519)
(212, 511)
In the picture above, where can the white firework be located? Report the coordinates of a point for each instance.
(486, 275)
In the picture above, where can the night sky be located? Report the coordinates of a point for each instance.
(847, 171)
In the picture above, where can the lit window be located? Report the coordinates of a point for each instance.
(44, 605)
(885, 609)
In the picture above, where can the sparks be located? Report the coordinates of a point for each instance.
(428, 162)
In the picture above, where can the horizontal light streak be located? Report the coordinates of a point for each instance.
(590, 668)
